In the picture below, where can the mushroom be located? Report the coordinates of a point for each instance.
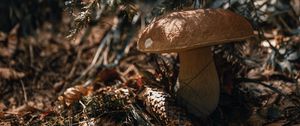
(191, 34)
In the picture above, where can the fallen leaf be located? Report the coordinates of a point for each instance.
(12, 39)
(2, 36)
(73, 94)
(10, 74)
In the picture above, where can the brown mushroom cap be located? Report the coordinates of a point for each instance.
(179, 31)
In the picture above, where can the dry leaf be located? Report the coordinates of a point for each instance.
(10, 74)
(73, 94)
(12, 39)
(2, 36)
(2, 106)
(296, 6)
(256, 120)
(22, 110)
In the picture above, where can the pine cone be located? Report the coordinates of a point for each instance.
(162, 105)
(108, 99)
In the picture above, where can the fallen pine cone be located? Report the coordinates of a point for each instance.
(162, 105)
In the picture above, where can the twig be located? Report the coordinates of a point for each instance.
(141, 117)
(285, 24)
(96, 59)
(105, 54)
(24, 90)
(100, 59)
(261, 32)
(31, 54)
(103, 42)
(240, 80)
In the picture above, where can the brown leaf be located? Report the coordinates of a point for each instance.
(10, 74)
(5, 123)
(256, 120)
(108, 75)
(2, 106)
(2, 36)
(22, 110)
(12, 39)
(296, 6)
(73, 94)
(58, 86)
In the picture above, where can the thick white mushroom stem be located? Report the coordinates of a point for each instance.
(199, 83)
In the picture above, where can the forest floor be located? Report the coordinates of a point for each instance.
(48, 79)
